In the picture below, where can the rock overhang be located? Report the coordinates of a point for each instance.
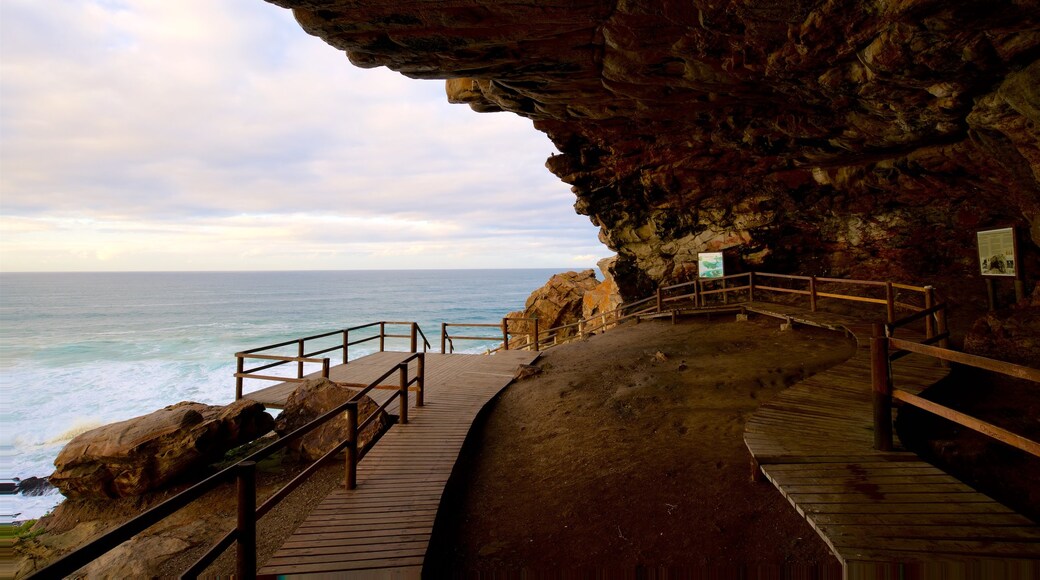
(866, 139)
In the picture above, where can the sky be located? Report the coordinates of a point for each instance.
(218, 135)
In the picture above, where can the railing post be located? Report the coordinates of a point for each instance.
(751, 286)
(299, 364)
(352, 445)
(812, 294)
(659, 301)
(346, 344)
(382, 336)
(505, 334)
(403, 373)
(240, 365)
(534, 342)
(581, 329)
(697, 293)
(420, 375)
(929, 321)
(245, 560)
(725, 294)
(890, 299)
(444, 337)
(414, 338)
(325, 368)
(940, 323)
(881, 383)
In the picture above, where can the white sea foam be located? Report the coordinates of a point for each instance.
(81, 350)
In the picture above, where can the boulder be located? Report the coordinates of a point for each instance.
(605, 297)
(133, 457)
(312, 399)
(558, 303)
(1011, 335)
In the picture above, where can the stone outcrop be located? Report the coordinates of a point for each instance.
(841, 138)
(557, 303)
(605, 297)
(133, 457)
(314, 398)
(1011, 334)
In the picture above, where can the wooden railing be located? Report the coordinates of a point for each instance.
(244, 472)
(885, 349)
(728, 292)
(344, 344)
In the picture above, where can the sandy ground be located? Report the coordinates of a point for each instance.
(616, 457)
(613, 457)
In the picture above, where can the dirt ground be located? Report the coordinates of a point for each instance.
(626, 453)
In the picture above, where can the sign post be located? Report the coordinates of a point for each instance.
(709, 265)
(998, 258)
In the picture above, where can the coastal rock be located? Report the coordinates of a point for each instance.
(847, 139)
(312, 399)
(605, 297)
(33, 486)
(133, 457)
(557, 303)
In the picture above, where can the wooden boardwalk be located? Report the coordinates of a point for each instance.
(382, 528)
(883, 514)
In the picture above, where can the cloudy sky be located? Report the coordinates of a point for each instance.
(217, 135)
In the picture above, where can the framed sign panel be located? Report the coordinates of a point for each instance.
(997, 252)
(709, 265)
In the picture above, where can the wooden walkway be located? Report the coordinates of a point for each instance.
(883, 514)
(382, 528)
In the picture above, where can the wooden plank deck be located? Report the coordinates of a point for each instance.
(883, 514)
(382, 528)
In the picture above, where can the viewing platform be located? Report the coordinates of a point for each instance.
(385, 523)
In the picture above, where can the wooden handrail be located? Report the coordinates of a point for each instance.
(999, 433)
(885, 392)
(989, 364)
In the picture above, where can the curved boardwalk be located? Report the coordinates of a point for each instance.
(883, 514)
(382, 528)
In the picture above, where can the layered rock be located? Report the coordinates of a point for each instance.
(313, 399)
(841, 138)
(558, 303)
(133, 457)
(605, 297)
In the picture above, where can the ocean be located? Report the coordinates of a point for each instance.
(80, 350)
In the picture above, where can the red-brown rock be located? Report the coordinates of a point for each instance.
(841, 138)
(139, 455)
(557, 303)
(314, 398)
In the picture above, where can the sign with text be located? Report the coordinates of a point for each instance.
(709, 265)
(997, 256)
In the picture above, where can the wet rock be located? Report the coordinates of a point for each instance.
(133, 457)
(33, 486)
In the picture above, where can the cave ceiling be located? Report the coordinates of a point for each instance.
(858, 139)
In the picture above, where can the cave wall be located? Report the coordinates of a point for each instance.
(840, 138)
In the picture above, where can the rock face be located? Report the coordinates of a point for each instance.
(1012, 334)
(558, 303)
(605, 297)
(139, 455)
(311, 400)
(841, 138)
